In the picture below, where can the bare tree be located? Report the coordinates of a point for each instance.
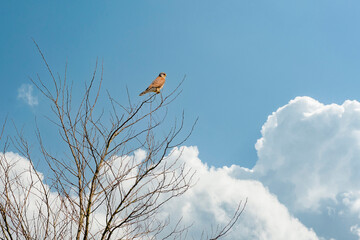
(116, 173)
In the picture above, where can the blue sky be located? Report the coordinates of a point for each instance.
(243, 59)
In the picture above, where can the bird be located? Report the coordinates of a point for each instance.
(156, 85)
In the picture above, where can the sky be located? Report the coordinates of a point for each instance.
(274, 84)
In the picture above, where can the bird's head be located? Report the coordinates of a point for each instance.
(162, 75)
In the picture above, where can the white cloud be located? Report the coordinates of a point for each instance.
(214, 198)
(25, 93)
(309, 156)
(355, 229)
(26, 191)
(308, 172)
(312, 150)
(210, 203)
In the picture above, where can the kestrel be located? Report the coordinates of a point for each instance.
(156, 85)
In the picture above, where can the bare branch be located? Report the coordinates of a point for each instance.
(99, 186)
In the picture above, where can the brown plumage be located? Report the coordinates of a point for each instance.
(156, 85)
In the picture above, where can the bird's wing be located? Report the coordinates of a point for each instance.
(158, 82)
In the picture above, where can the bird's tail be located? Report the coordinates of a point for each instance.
(144, 92)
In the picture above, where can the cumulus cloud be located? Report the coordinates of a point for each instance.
(355, 229)
(24, 188)
(309, 157)
(214, 198)
(208, 205)
(312, 150)
(306, 178)
(25, 93)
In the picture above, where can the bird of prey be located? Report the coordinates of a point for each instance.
(156, 85)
